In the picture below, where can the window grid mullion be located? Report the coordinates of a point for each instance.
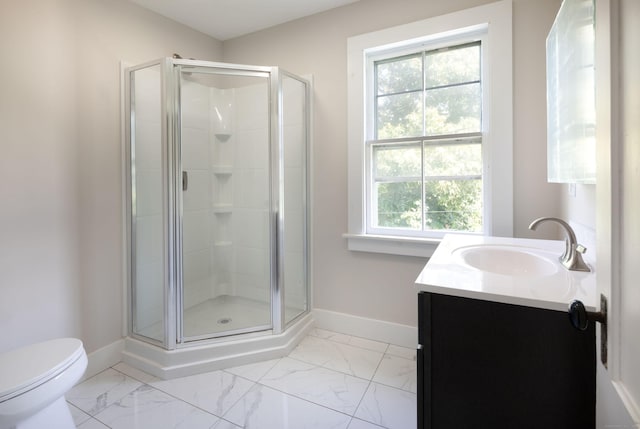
(441, 140)
(423, 217)
(407, 91)
(422, 188)
(453, 85)
(374, 91)
(398, 179)
(404, 179)
(424, 94)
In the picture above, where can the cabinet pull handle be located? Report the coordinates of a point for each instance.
(185, 180)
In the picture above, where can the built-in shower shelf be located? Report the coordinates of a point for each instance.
(222, 170)
(223, 137)
(222, 208)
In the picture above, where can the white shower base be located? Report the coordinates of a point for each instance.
(229, 313)
(223, 352)
(222, 314)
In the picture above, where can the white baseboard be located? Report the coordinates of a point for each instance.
(104, 358)
(379, 330)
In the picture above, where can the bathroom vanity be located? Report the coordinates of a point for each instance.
(496, 348)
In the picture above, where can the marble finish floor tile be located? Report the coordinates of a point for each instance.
(401, 352)
(339, 357)
(329, 335)
(265, 408)
(100, 391)
(93, 424)
(147, 407)
(330, 381)
(223, 424)
(364, 343)
(361, 424)
(253, 371)
(135, 373)
(78, 415)
(332, 389)
(397, 372)
(376, 346)
(214, 392)
(388, 407)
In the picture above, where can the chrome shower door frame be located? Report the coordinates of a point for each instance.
(196, 66)
(172, 199)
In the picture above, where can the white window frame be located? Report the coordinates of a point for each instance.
(493, 23)
(372, 57)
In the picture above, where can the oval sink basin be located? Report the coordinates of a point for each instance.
(507, 260)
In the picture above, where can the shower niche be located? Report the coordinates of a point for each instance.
(217, 199)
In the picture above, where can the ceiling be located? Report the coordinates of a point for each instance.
(226, 19)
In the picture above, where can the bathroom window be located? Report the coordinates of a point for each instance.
(424, 159)
(430, 131)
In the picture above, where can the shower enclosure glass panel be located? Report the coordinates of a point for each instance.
(224, 141)
(146, 204)
(217, 161)
(294, 137)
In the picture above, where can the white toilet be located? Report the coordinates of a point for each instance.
(33, 381)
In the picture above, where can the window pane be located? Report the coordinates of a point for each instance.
(431, 185)
(399, 115)
(452, 66)
(453, 160)
(402, 75)
(453, 110)
(397, 161)
(398, 205)
(453, 205)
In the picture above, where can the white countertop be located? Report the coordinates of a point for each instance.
(447, 274)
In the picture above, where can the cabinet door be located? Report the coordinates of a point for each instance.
(493, 365)
(424, 359)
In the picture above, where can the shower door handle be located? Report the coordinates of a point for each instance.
(185, 180)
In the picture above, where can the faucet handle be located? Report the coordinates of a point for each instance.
(572, 256)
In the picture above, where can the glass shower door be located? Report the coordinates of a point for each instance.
(224, 162)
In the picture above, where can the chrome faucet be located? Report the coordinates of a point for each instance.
(572, 256)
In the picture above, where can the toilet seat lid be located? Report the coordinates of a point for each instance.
(29, 366)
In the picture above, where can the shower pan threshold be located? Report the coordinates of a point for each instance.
(218, 354)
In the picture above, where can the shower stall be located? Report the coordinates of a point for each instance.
(217, 199)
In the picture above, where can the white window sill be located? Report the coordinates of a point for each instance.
(392, 245)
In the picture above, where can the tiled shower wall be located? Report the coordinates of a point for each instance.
(197, 199)
(225, 146)
(251, 192)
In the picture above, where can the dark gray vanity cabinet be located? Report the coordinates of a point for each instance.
(484, 364)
